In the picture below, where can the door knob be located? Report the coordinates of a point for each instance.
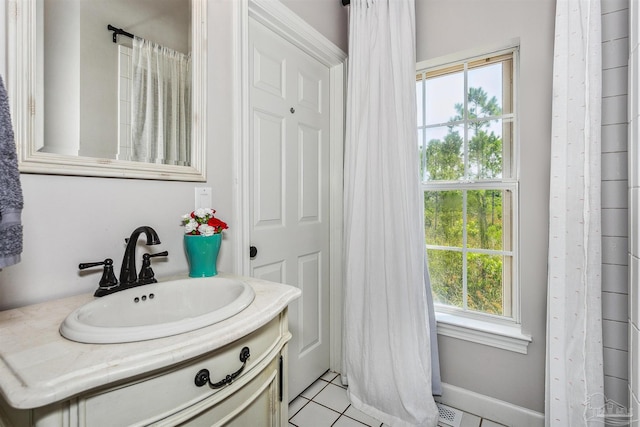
(253, 251)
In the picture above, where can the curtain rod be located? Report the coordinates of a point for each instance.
(346, 2)
(117, 31)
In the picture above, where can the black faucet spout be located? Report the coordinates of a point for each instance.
(128, 275)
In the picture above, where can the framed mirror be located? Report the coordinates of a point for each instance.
(67, 85)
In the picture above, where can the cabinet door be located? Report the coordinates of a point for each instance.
(255, 404)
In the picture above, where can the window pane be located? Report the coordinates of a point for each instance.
(444, 153)
(445, 98)
(420, 103)
(422, 151)
(485, 149)
(507, 148)
(507, 219)
(445, 271)
(484, 283)
(485, 91)
(484, 219)
(466, 135)
(443, 218)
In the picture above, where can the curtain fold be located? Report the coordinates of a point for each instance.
(386, 350)
(574, 379)
(161, 104)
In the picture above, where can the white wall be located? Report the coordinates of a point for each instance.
(634, 207)
(461, 24)
(327, 16)
(62, 78)
(68, 220)
(450, 26)
(3, 52)
(615, 54)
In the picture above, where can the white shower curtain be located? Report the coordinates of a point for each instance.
(161, 104)
(574, 380)
(387, 351)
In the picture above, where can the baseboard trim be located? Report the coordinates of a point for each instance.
(490, 408)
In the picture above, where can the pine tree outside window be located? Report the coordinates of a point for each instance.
(467, 145)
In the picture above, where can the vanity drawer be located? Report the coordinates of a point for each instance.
(150, 399)
(256, 404)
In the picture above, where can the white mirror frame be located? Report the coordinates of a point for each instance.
(26, 102)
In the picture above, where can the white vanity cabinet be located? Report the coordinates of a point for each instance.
(250, 372)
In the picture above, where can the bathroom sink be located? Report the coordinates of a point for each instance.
(157, 310)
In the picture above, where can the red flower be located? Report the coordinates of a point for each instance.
(217, 224)
(203, 217)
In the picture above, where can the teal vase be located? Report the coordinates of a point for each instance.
(202, 254)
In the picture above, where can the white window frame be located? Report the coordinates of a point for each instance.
(496, 331)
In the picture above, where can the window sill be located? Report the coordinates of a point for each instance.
(506, 337)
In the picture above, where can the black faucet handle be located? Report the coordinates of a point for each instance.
(108, 279)
(163, 253)
(146, 275)
(84, 265)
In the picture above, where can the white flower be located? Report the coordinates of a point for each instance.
(197, 222)
(201, 212)
(190, 225)
(207, 230)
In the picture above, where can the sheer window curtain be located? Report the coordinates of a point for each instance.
(386, 343)
(161, 104)
(574, 381)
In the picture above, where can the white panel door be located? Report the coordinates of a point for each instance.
(289, 176)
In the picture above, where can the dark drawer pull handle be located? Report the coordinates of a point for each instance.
(202, 377)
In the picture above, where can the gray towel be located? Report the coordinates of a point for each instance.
(10, 189)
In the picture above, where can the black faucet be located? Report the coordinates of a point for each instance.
(128, 278)
(128, 275)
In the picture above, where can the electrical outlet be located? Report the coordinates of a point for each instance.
(203, 197)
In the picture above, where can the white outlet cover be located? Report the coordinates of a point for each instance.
(202, 197)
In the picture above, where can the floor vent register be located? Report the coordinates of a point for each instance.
(449, 416)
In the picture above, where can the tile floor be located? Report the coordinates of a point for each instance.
(325, 404)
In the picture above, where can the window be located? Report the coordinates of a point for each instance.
(467, 145)
(125, 76)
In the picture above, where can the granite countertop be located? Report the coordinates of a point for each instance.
(38, 366)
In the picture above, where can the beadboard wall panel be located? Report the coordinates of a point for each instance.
(615, 229)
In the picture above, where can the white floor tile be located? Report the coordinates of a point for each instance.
(347, 422)
(323, 402)
(314, 415)
(314, 389)
(296, 404)
(469, 420)
(362, 417)
(333, 397)
(487, 423)
(329, 376)
(338, 381)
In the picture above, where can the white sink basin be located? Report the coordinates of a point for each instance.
(157, 310)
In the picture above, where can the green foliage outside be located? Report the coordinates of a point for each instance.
(444, 214)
